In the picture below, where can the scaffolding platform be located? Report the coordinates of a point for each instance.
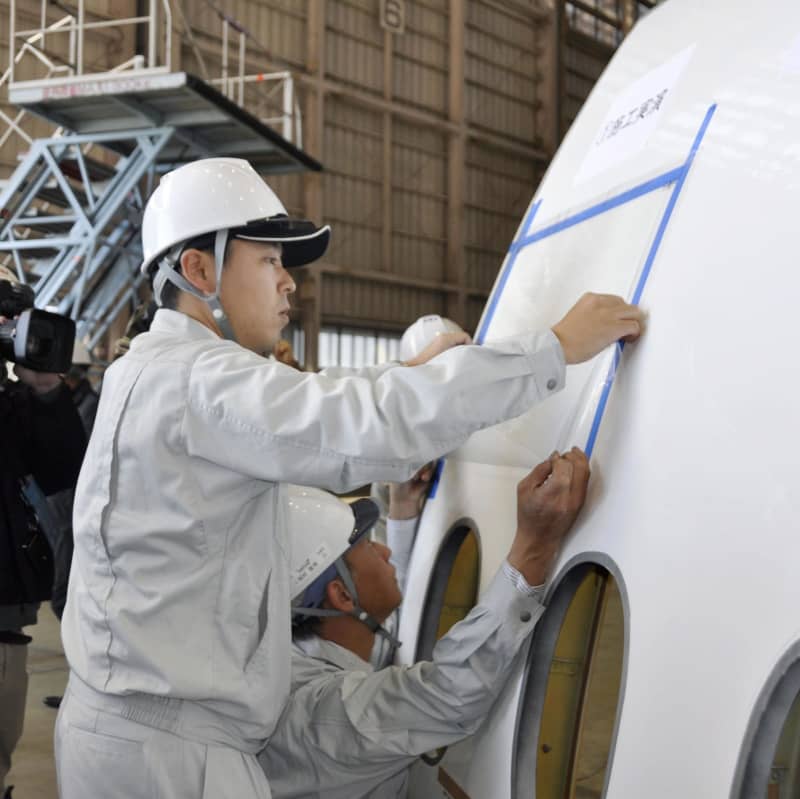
(205, 122)
(71, 213)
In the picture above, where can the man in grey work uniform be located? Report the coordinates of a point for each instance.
(349, 732)
(176, 627)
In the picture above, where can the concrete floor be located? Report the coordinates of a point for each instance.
(33, 772)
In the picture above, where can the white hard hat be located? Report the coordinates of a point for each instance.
(322, 528)
(224, 194)
(423, 332)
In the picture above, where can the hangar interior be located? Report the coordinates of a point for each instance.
(419, 130)
(431, 120)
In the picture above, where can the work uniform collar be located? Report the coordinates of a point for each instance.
(338, 656)
(181, 325)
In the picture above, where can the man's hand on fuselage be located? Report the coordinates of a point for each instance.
(405, 499)
(548, 502)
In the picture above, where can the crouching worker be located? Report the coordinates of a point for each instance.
(349, 731)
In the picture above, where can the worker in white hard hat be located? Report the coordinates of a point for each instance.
(420, 334)
(350, 732)
(399, 533)
(415, 339)
(176, 627)
(41, 448)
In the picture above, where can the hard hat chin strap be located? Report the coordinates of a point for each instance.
(167, 271)
(358, 613)
(218, 312)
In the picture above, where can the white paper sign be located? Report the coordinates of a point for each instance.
(633, 117)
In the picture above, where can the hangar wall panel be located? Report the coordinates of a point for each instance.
(496, 194)
(501, 70)
(419, 201)
(354, 44)
(420, 57)
(345, 294)
(276, 32)
(353, 158)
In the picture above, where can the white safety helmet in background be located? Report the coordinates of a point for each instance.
(322, 528)
(228, 198)
(423, 332)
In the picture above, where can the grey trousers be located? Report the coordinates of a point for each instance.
(105, 754)
(13, 691)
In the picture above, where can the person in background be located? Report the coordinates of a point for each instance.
(408, 499)
(43, 441)
(349, 732)
(417, 336)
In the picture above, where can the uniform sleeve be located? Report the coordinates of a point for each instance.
(365, 726)
(272, 422)
(370, 372)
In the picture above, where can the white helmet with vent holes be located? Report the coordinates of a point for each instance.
(423, 332)
(219, 198)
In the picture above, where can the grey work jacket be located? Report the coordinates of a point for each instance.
(349, 732)
(180, 579)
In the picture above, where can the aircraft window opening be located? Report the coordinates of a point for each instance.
(453, 586)
(784, 779)
(770, 761)
(571, 694)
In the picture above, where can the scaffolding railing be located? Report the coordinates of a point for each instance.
(69, 220)
(276, 105)
(30, 47)
(76, 27)
(269, 96)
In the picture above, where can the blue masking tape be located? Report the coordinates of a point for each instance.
(637, 293)
(600, 208)
(604, 395)
(512, 257)
(437, 476)
(676, 176)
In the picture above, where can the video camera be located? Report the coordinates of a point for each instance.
(35, 339)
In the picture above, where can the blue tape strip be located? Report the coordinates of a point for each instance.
(501, 284)
(595, 210)
(601, 208)
(637, 293)
(437, 475)
(606, 393)
(676, 176)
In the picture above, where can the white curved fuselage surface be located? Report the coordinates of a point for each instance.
(678, 187)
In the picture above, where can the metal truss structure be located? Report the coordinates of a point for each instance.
(70, 215)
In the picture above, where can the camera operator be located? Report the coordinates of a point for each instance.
(42, 439)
